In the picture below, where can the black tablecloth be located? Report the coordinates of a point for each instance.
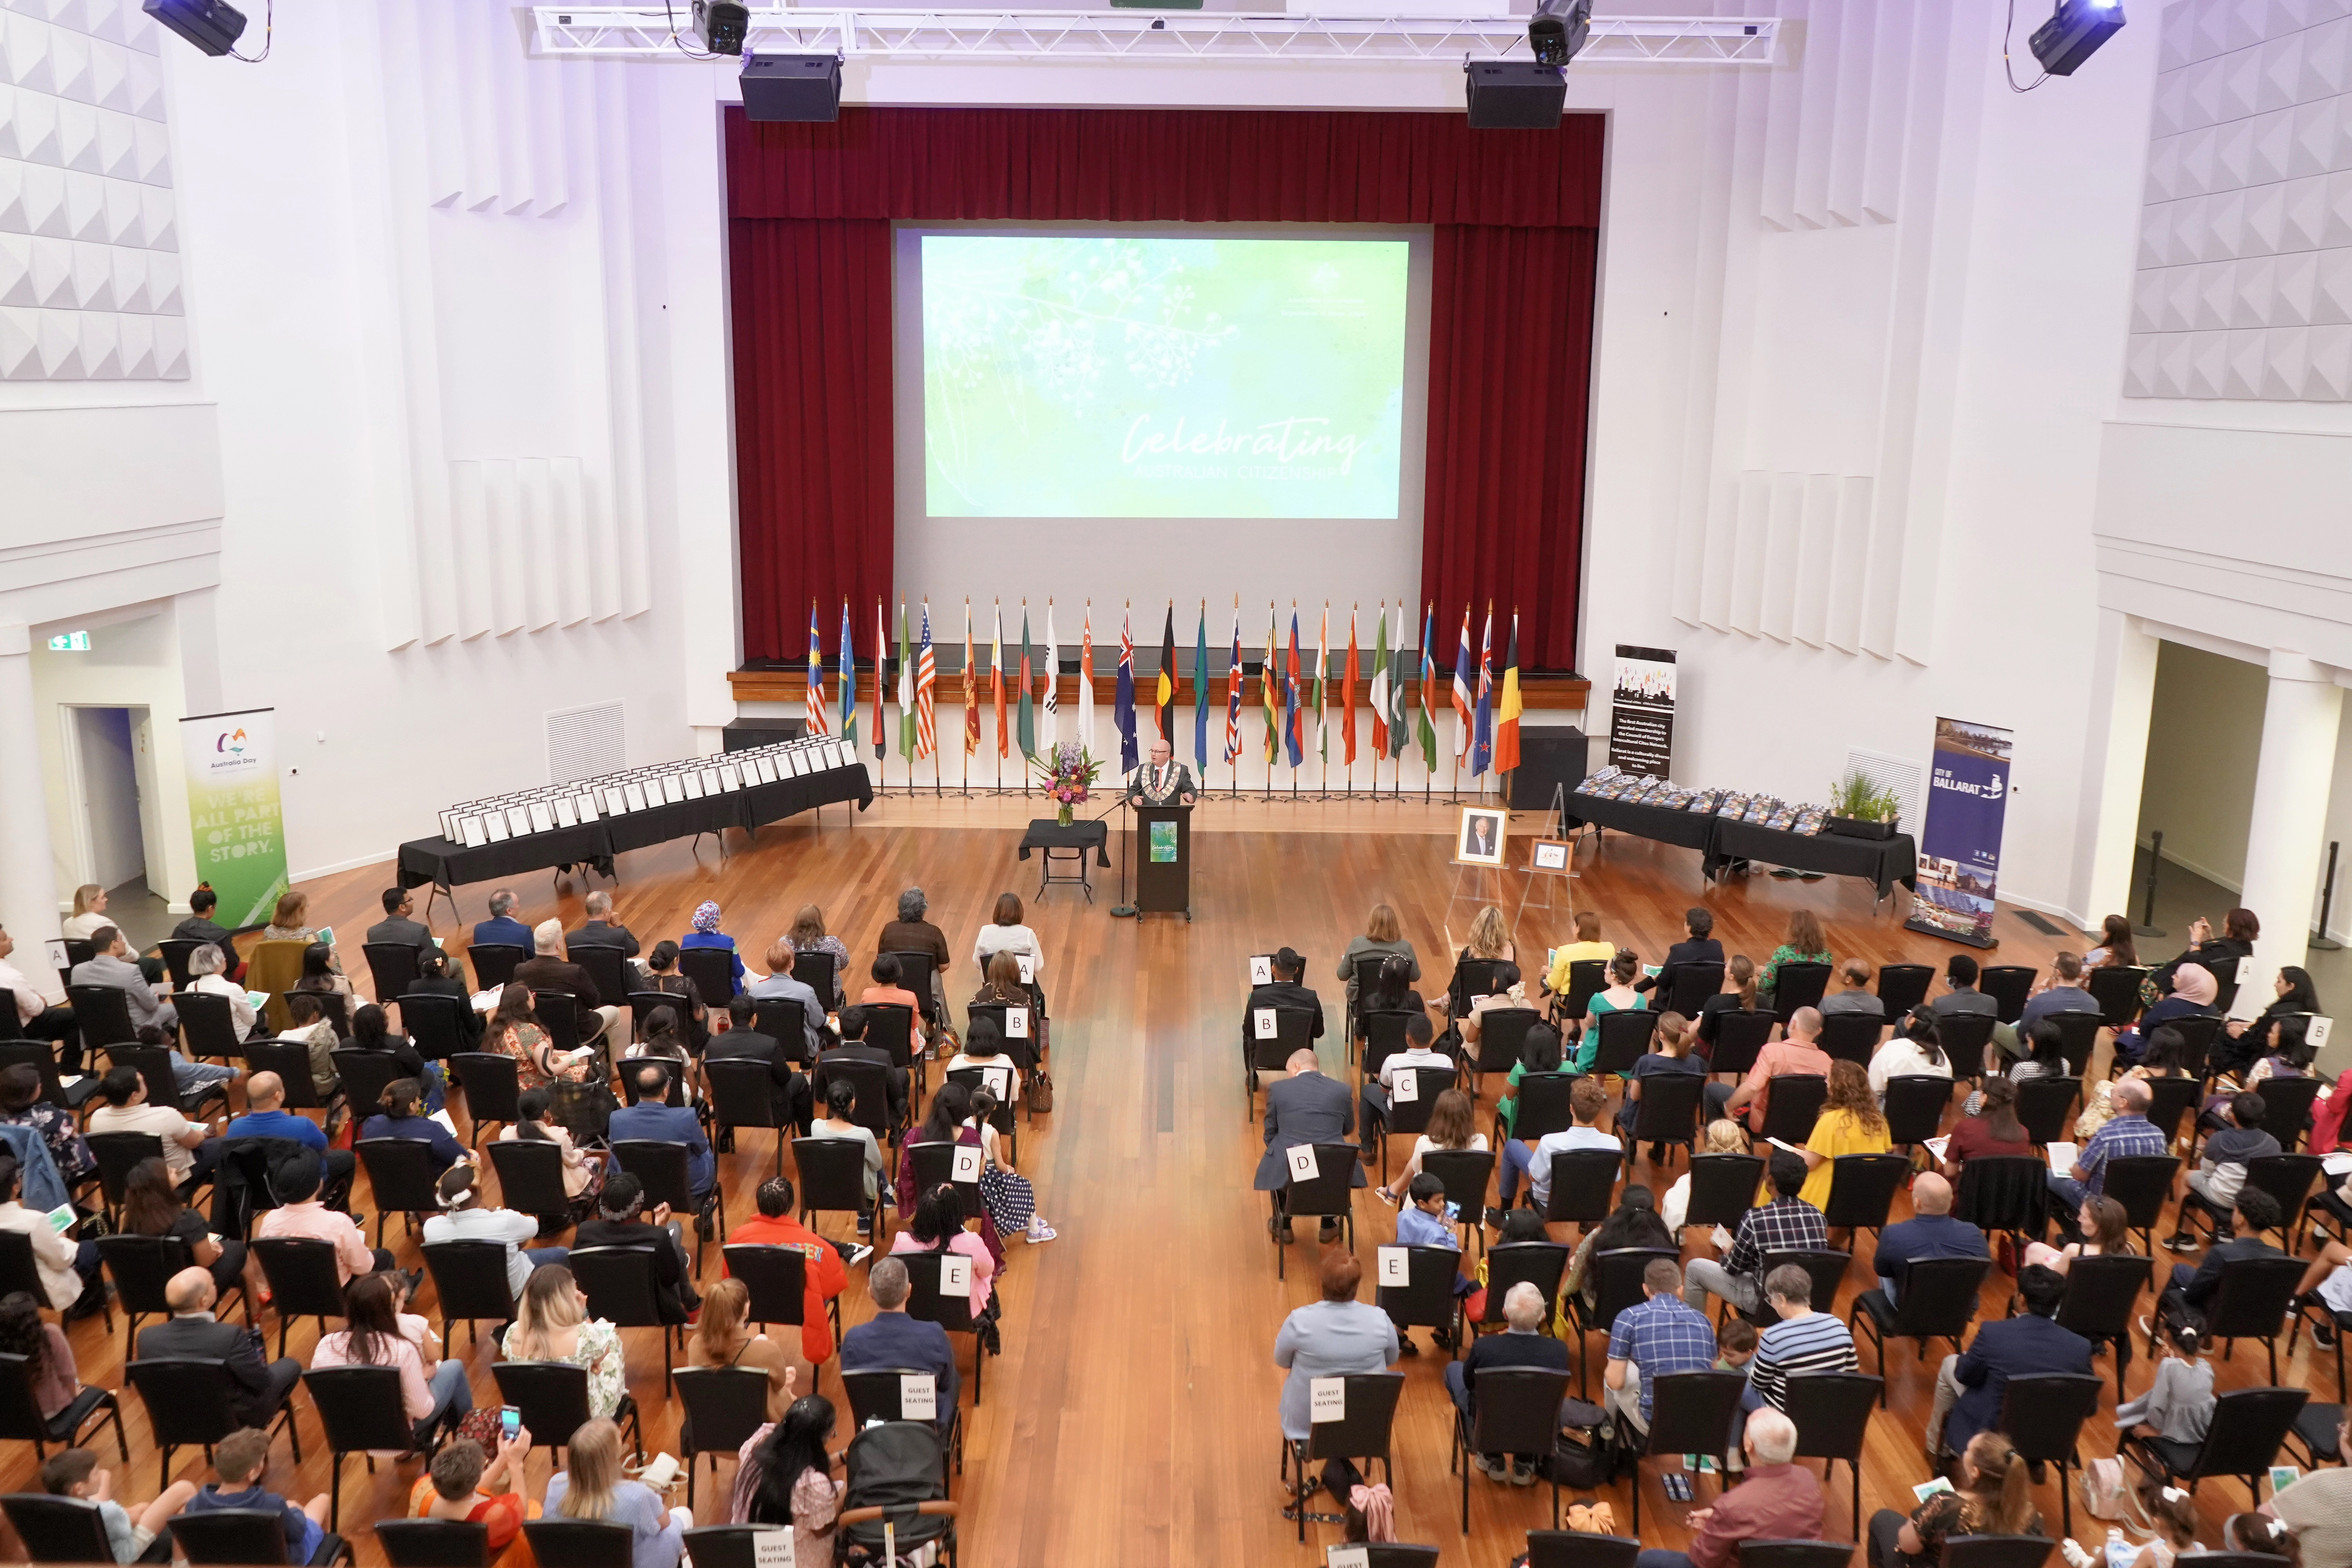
(1691, 829)
(1882, 862)
(436, 860)
(1044, 833)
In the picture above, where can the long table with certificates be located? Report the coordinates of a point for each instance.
(587, 822)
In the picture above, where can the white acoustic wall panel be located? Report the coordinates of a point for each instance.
(585, 743)
(2244, 285)
(89, 283)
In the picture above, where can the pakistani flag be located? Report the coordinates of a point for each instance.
(1401, 668)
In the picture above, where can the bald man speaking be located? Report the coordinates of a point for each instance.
(1932, 1233)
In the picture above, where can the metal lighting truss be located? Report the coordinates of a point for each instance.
(645, 32)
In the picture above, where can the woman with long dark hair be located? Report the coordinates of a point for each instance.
(2115, 950)
(950, 1104)
(938, 1226)
(49, 1354)
(1992, 1129)
(152, 1207)
(1633, 1223)
(662, 975)
(584, 1170)
(2250, 1039)
(372, 1031)
(784, 1476)
(431, 1392)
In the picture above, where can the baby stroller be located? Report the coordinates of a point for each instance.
(898, 1492)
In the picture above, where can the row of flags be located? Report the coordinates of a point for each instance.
(1302, 704)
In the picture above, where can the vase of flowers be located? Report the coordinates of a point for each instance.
(1065, 773)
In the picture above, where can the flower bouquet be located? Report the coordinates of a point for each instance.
(1066, 775)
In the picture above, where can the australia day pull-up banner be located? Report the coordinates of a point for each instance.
(1960, 842)
(232, 811)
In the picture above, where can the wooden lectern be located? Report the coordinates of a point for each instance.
(1162, 852)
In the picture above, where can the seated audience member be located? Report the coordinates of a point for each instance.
(1587, 946)
(240, 1462)
(1417, 1052)
(825, 1276)
(2194, 991)
(300, 1216)
(21, 1105)
(1994, 1498)
(400, 927)
(1634, 1222)
(600, 929)
(2106, 1232)
(584, 1170)
(372, 1032)
(1422, 1222)
(2189, 1290)
(1005, 933)
(1699, 946)
(401, 1117)
(459, 1487)
(1960, 996)
(111, 966)
(291, 922)
(2042, 1054)
(192, 1332)
(706, 933)
(743, 1041)
(2061, 991)
(322, 974)
(661, 973)
(1305, 1107)
(433, 1393)
(547, 969)
(129, 1530)
(266, 1117)
(152, 1207)
(551, 1324)
(2215, 1181)
(892, 1339)
(1588, 1102)
(1009, 1197)
(464, 1218)
(1968, 1387)
(513, 1030)
(1775, 1501)
(1392, 992)
(654, 1119)
(1908, 1053)
(1283, 992)
(1669, 1054)
(38, 1018)
(502, 930)
(784, 1478)
(841, 1098)
(808, 935)
(1930, 1232)
(207, 973)
(937, 1226)
(88, 917)
(309, 1028)
(1331, 1338)
(1523, 1343)
(1490, 937)
(1735, 1344)
(2178, 1405)
(68, 1271)
(1618, 996)
(1539, 1053)
(724, 1337)
(1381, 938)
(49, 1354)
(622, 1221)
(1806, 944)
(437, 977)
(1508, 990)
(1737, 995)
(592, 1487)
(200, 926)
(664, 1041)
(2242, 1040)
(2128, 1134)
(780, 986)
(984, 1048)
(1854, 994)
(853, 1048)
(1804, 1343)
(1787, 1223)
(1001, 985)
(911, 932)
(1656, 1336)
(1799, 1054)
(1452, 1127)
(1988, 1127)
(1850, 1123)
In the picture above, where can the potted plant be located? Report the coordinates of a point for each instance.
(1862, 809)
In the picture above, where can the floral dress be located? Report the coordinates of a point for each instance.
(72, 1156)
(598, 1349)
(529, 1045)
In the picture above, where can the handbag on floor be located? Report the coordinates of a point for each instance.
(1040, 1091)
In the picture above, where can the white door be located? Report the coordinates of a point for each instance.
(107, 771)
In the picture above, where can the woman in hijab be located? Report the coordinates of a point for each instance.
(706, 933)
(2193, 990)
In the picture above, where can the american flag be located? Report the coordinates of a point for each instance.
(927, 675)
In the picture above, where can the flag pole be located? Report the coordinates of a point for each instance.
(1234, 786)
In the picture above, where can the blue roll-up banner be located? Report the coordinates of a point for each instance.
(1959, 841)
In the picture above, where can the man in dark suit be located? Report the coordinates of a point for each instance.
(743, 1043)
(1162, 781)
(2191, 1291)
(1932, 1232)
(890, 1338)
(503, 929)
(1969, 1388)
(399, 927)
(548, 970)
(601, 929)
(200, 926)
(1701, 948)
(1285, 991)
(191, 1333)
(620, 1209)
(853, 1048)
(1305, 1108)
(654, 1119)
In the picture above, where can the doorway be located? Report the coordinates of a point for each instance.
(111, 769)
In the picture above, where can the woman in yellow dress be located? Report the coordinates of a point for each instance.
(1850, 1123)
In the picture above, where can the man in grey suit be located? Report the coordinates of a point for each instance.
(112, 966)
(601, 929)
(192, 1332)
(1305, 1108)
(400, 927)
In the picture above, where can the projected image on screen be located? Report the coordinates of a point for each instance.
(1131, 376)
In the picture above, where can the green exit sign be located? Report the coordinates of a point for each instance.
(70, 642)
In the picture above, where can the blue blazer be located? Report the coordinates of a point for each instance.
(2003, 1349)
(669, 1124)
(893, 1339)
(504, 932)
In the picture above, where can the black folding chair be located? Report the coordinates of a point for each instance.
(1616, 1285)
(998, 1081)
(1915, 1104)
(470, 1279)
(777, 1280)
(1723, 1188)
(1426, 1298)
(934, 1167)
(1686, 987)
(207, 1025)
(2010, 985)
(1624, 1039)
(189, 1405)
(1851, 1037)
(1518, 1412)
(1832, 1412)
(530, 1179)
(833, 1180)
(365, 1074)
(304, 1280)
(662, 1167)
(1293, 1029)
(2078, 1037)
(494, 964)
(1794, 1105)
(102, 1015)
(724, 1406)
(2251, 1302)
(1587, 977)
(1465, 1175)
(744, 1094)
(1997, 1551)
(712, 970)
(1741, 1037)
(915, 972)
(1902, 987)
(608, 970)
(1577, 1549)
(1409, 1107)
(142, 1266)
(434, 1024)
(246, 1535)
(2117, 991)
(1939, 1302)
(1543, 1104)
(581, 1542)
(1964, 1036)
(623, 1290)
(1862, 1192)
(118, 1154)
(1795, 1553)
(2101, 1300)
(552, 1399)
(1796, 986)
(405, 1175)
(871, 1109)
(2045, 1107)
(1502, 1036)
(2042, 1415)
(814, 969)
(58, 1529)
(1383, 1035)
(87, 1414)
(1690, 1413)
(433, 1542)
(1542, 1264)
(1360, 1431)
(1666, 1115)
(878, 1394)
(2243, 1439)
(1583, 1181)
(37, 1054)
(290, 1060)
(2169, 1099)
(392, 966)
(359, 1408)
(2003, 1192)
(1329, 1193)
(927, 1304)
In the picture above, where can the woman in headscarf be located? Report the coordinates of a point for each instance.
(2193, 990)
(706, 933)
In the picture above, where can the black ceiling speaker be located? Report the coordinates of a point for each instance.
(805, 88)
(1513, 95)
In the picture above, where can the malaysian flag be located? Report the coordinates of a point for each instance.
(818, 725)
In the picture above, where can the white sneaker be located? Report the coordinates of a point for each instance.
(859, 1254)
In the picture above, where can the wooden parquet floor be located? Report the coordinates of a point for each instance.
(1132, 1416)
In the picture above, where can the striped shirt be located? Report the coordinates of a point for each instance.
(1660, 1336)
(1795, 1347)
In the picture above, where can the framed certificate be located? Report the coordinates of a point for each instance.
(449, 826)
(471, 833)
(542, 817)
(517, 820)
(673, 789)
(728, 778)
(584, 806)
(690, 781)
(763, 768)
(709, 777)
(1549, 854)
(632, 796)
(800, 763)
(494, 824)
(567, 815)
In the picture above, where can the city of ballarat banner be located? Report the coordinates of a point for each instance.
(1960, 842)
(1642, 710)
(232, 811)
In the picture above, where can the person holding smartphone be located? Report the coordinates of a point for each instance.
(459, 1486)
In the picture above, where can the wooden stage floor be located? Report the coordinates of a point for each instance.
(1132, 1416)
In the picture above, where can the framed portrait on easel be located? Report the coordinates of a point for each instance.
(1479, 839)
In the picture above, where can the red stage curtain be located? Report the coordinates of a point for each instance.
(1511, 319)
(1510, 374)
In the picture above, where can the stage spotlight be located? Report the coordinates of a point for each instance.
(1558, 30)
(212, 26)
(720, 25)
(805, 88)
(2075, 32)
